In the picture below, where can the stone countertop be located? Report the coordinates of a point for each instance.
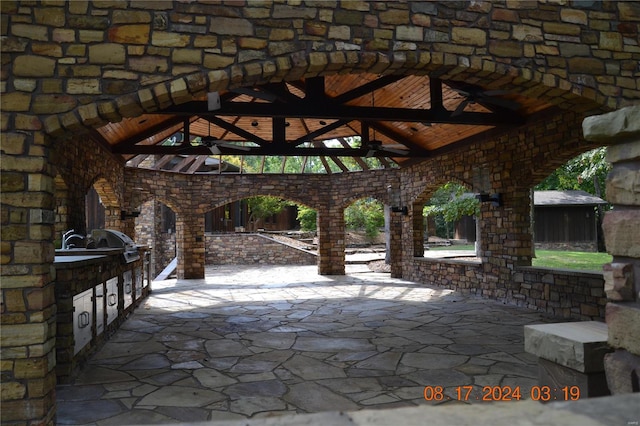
(75, 252)
(77, 260)
(577, 345)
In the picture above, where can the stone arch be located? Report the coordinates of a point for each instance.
(492, 72)
(106, 191)
(417, 202)
(62, 219)
(258, 193)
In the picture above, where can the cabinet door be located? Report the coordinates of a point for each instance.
(100, 302)
(138, 283)
(82, 319)
(128, 288)
(112, 299)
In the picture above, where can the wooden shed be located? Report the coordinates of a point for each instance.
(566, 220)
(563, 220)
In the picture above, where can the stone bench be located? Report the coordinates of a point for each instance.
(570, 354)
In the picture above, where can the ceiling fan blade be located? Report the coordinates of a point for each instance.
(215, 150)
(395, 151)
(234, 146)
(504, 103)
(209, 140)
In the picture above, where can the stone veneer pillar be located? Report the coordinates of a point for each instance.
(27, 286)
(331, 244)
(395, 246)
(621, 131)
(190, 245)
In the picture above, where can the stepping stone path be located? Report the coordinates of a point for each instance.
(262, 341)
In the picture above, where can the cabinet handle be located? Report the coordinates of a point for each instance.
(83, 319)
(112, 300)
(127, 288)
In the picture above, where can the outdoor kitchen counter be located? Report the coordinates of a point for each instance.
(95, 290)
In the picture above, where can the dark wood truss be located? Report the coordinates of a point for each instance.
(308, 99)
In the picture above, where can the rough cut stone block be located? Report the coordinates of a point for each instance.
(618, 281)
(623, 152)
(619, 125)
(623, 184)
(623, 372)
(577, 345)
(558, 376)
(623, 320)
(621, 234)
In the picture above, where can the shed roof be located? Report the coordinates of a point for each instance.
(565, 198)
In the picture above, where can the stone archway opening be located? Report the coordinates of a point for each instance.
(53, 68)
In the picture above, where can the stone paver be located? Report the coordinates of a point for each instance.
(269, 340)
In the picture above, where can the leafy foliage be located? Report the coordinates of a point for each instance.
(307, 218)
(297, 164)
(366, 214)
(449, 204)
(261, 207)
(586, 172)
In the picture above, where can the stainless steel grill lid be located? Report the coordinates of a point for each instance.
(109, 238)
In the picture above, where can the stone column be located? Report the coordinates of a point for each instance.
(331, 244)
(395, 243)
(190, 245)
(417, 225)
(621, 131)
(112, 218)
(27, 285)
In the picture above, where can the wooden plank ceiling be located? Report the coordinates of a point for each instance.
(396, 119)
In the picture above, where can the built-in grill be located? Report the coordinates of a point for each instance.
(109, 238)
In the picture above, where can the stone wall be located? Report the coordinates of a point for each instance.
(79, 166)
(563, 294)
(150, 232)
(251, 249)
(622, 239)
(513, 162)
(71, 67)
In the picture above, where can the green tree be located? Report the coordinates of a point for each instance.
(307, 218)
(586, 172)
(365, 214)
(263, 206)
(449, 204)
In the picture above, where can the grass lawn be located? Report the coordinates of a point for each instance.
(571, 259)
(588, 261)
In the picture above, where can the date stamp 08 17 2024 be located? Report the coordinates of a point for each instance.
(502, 393)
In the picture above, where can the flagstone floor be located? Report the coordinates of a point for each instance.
(263, 341)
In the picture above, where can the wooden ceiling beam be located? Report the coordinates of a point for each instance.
(270, 150)
(367, 88)
(137, 160)
(323, 130)
(358, 160)
(302, 109)
(235, 129)
(170, 123)
(164, 160)
(199, 161)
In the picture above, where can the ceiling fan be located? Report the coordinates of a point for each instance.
(376, 146)
(475, 94)
(213, 144)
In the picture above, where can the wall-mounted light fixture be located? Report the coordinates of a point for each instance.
(125, 214)
(394, 201)
(494, 199)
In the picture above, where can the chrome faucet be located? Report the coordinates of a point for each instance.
(65, 238)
